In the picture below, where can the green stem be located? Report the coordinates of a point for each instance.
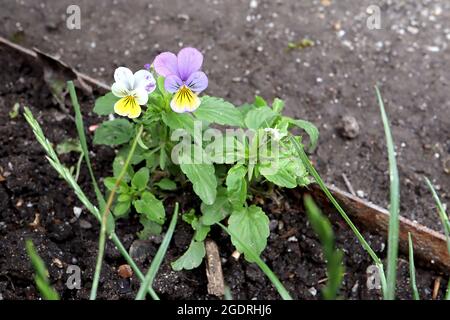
(301, 152)
(157, 260)
(102, 240)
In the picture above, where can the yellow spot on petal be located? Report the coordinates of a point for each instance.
(185, 100)
(127, 107)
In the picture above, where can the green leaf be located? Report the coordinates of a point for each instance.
(151, 207)
(118, 163)
(115, 132)
(252, 226)
(261, 117)
(109, 183)
(225, 149)
(219, 111)
(278, 105)
(140, 179)
(322, 227)
(202, 177)
(216, 212)
(69, 145)
(260, 102)
(41, 277)
(310, 129)
(124, 197)
(283, 172)
(179, 121)
(151, 228)
(192, 258)
(105, 104)
(121, 209)
(201, 230)
(166, 184)
(237, 185)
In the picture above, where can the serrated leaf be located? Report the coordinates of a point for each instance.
(166, 184)
(202, 176)
(216, 212)
(151, 207)
(115, 132)
(283, 173)
(217, 110)
(110, 182)
(261, 117)
(140, 179)
(179, 121)
(105, 104)
(252, 226)
(192, 258)
(310, 129)
(237, 185)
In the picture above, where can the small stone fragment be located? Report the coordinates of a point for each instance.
(125, 271)
(349, 127)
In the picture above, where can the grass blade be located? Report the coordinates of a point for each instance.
(322, 227)
(442, 214)
(66, 175)
(394, 208)
(302, 154)
(261, 264)
(157, 260)
(41, 277)
(106, 215)
(82, 137)
(412, 268)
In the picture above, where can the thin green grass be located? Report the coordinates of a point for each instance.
(66, 175)
(157, 260)
(106, 215)
(302, 154)
(261, 264)
(394, 208)
(322, 227)
(41, 276)
(412, 269)
(82, 137)
(442, 214)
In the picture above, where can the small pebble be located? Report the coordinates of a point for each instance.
(313, 291)
(125, 271)
(349, 127)
(84, 224)
(77, 211)
(360, 193)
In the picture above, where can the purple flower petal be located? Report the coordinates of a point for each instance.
(172, 83)
(198, 81)
(189, 61)
(166, 64)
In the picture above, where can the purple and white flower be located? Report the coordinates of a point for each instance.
(182, 77)
(133, 89)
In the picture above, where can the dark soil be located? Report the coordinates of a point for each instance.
(31, 187)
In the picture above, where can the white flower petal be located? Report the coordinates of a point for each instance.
(119, 90)
(143, 78)
(141, 95)
(125, 76)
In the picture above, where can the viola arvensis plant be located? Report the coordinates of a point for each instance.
(133, 91)
(222, 173)
(182, 77)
